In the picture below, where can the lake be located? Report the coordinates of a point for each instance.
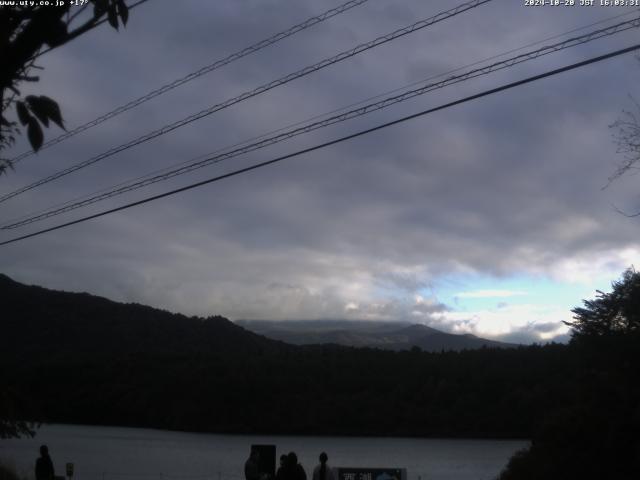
(116, 453)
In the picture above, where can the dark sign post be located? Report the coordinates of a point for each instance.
(372, 473)
(267, 459)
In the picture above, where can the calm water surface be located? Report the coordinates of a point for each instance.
(115, 453)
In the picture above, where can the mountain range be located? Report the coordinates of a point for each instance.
(366, 333)
(54, 320)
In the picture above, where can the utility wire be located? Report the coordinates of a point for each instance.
(315, 117)
(244, 96)
(334, 142)
(510, 62)
(198, 73)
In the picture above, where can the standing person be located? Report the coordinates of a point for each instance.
(44, 465)
(282, 469)
(251, 467)
(295, 471)
(323, 471)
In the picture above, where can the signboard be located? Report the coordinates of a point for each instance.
(266, 460)
(371, 473)
(69, 469)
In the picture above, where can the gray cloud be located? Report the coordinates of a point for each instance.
(531, 334)
(505, 185)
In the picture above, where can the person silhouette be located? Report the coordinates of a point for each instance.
(295, 471)
(323, 471)
(251, 466)
(44, 465)
(282, 469)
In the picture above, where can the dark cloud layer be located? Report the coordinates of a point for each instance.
(506, 185)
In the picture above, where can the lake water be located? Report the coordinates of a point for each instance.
(115, 453)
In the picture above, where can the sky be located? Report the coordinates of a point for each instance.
(489, 217)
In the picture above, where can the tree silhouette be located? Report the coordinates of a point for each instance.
(627, 138)
(27, 32)
(594, 432)
(12, 409)
(611, 313)
(24, 32)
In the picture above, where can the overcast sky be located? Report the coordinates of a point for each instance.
(485, 218)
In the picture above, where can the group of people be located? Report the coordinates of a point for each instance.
(289, 469)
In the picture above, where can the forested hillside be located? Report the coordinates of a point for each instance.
(80, 358)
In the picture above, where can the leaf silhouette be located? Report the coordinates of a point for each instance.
(36, 108)
(99, 7)
(123, 11)
(112, 16)
(23, 113)
(46, 108)
(34, 133)
(55, 33)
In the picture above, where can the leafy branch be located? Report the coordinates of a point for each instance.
(24, 33)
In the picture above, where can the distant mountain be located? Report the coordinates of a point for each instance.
(362, 333)
(37, 321)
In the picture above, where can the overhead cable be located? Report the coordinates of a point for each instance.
(257, 91)
(332, 142)
(198, 73)
(315, 117)
(357, 112)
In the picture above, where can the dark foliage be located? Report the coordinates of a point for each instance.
(85, 359)
(594, 434)
(25, 30)
(617, 312)
(14, 407)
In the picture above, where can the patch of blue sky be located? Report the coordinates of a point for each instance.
(484, 292)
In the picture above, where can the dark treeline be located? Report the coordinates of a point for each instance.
(76, 358)
(594, 433)
(324, 390)
(85, 359)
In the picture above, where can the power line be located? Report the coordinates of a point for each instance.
(281, 129)
(510, 62)
(338, 118)
(334, 142)
(244, 96)
(314, 117)
(198, 73)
